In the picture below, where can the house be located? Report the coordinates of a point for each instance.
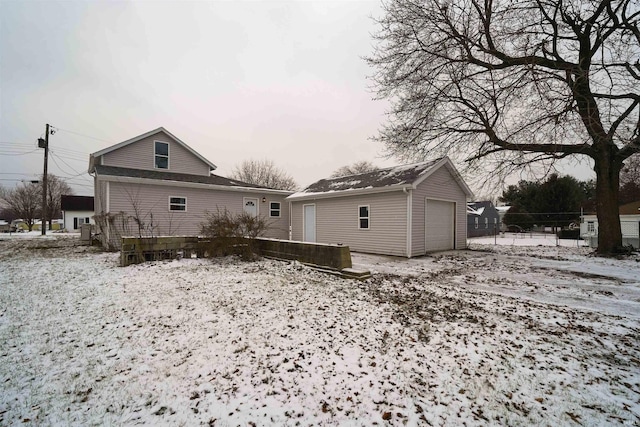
(629, 224)
(404, 211)
(483, 219)
(155, 184)
(76, 210)
(502, 211)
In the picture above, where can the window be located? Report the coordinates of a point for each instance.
(476, 222)
(274, 209)
(77, 222)
(591, 227)
(177, 203)
(363, 217)
(486, 223)
(161, 151)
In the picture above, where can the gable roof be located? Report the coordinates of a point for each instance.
(378, 181)
(214, 180)
(104, 151)
(76, 203)
(478, 208)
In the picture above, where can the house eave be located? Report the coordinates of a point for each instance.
(186, 184)
(347, 193)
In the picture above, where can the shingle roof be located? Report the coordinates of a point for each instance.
(394, 176)
(76, 203)
(171, 176)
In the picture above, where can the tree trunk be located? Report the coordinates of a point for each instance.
(607, 188)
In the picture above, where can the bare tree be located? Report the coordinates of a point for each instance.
(56, 188)
(363, 166)
(264, 173)
(25, 201)
(502, 84)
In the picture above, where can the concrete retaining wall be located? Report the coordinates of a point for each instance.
(336, 257)
(136, 250)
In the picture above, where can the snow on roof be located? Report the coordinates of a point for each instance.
(394, 176)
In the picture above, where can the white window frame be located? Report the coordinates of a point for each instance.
(486, 222)
(156, 155)
(476, 222)
(591, 227)
(271, 210)
(177, 204)
(368, 217)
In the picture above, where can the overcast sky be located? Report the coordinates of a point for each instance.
(282, 80)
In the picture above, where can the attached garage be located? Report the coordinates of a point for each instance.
(440, 226)
(404, 211)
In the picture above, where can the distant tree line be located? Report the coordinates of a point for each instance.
(555, 202)
(559, 200)
(25, 200)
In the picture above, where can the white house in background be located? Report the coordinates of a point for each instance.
(502, 211)
(629, 223)
(155, 184)
(404, 211)
(76, 210)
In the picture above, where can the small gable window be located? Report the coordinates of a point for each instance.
(274, 209)
(177, 203)
(161, 151)
(363, 217)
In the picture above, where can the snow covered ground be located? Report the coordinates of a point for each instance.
(495, 335)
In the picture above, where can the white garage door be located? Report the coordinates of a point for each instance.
(439, 227)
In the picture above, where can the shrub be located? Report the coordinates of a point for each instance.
(232, 234)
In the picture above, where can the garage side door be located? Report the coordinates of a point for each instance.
(439, 225)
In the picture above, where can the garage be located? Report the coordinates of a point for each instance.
(439, 225)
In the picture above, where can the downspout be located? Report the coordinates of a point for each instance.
(409, 219)
(290, 221)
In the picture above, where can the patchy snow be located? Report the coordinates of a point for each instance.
(495, 335)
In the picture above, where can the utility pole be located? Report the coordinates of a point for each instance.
(44, 144)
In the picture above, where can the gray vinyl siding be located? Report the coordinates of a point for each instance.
(337, 222)
(442, 185)
(140, 155)
(149, 199)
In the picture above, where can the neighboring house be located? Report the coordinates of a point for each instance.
(155, 184)
(5, 227)
(482, 219)
(404, 211)
(76, 210)
(502, 211)
(629, 224)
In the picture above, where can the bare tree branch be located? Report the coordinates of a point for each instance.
(263, 173)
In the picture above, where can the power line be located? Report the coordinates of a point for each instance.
(86, 136)
(16, 153)
(53, 156)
